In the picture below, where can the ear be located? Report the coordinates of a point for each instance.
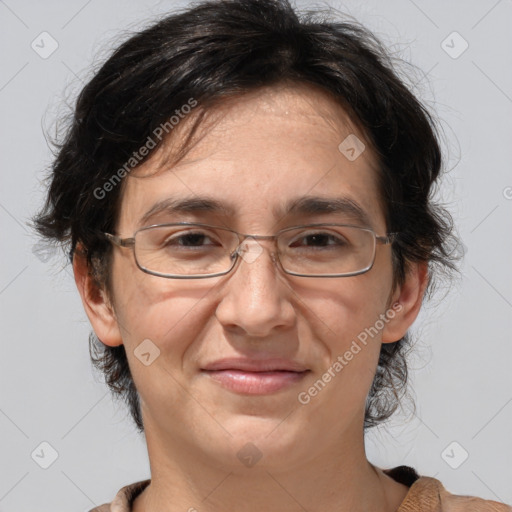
(406, 302)
(96, 302)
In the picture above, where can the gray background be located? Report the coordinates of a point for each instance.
(461, 368)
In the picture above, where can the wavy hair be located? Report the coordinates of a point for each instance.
(210, 52)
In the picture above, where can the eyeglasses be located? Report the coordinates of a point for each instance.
(191, 251)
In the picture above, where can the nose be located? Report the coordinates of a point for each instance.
(255, 298)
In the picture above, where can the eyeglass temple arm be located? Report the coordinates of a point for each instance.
(387, 239)
(121, 242)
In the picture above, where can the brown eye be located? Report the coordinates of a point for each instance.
(320, 240)
(188, 240)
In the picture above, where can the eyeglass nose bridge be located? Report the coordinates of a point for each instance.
(250, 252)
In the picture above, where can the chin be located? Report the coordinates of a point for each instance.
(258, 441)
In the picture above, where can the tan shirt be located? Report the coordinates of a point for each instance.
(425, 494)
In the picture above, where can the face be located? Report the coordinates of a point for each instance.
(263, 151)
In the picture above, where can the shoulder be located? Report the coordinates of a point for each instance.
(429, 495)
(429, 492)
(124, 498)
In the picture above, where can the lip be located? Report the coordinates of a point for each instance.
(255, 365)
(255, 383)
(253, 377)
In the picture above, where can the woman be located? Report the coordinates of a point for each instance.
(246, 196)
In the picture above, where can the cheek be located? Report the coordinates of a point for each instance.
(344, 307)
(346, 319)
(172, 314)
(166, 312)
(171, 320)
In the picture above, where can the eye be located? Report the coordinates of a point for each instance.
(319, 239)
(187, 240)
(191, 239)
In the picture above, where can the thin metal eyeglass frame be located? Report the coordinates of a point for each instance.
(130, 243)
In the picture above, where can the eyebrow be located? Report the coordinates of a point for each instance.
(187, 205)
(314, 205)
(306, 205)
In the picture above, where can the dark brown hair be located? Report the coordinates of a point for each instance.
(218, 49)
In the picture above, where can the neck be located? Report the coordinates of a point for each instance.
(342, 479)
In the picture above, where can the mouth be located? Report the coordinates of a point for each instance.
(251, 376)
(255, 382)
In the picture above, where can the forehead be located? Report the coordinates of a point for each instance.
(258, 155)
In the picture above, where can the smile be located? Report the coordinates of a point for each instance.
(255, 383)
